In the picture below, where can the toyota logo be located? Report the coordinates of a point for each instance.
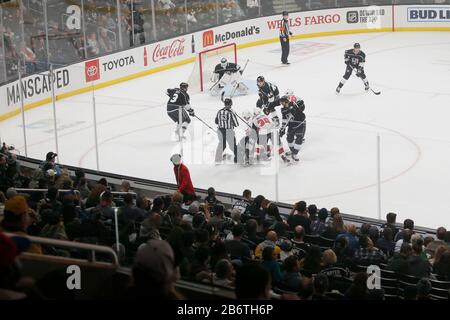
(91, 71)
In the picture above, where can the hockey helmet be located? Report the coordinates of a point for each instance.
(256, 111)
(184, 86)
(176, 159)
(285, 13)
(228, 102)
(261, 80)
(289, 92)
(223, 62)
(284, 99)
(357, 46)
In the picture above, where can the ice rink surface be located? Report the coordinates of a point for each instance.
(338, 159)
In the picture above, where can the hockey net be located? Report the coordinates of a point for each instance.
(205, 62)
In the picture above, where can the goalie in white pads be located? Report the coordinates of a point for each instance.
(228, 74)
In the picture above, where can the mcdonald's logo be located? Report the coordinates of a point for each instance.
(208, 38)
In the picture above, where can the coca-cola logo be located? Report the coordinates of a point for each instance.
(175, 49)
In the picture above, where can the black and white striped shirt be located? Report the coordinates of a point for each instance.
(284, 29)
(226, 119)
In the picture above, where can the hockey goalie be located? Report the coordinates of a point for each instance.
(227, 77)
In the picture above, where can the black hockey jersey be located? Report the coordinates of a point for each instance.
(293, 114)
(230, 67)
(268, 93)
(177, 98)
(353, 59)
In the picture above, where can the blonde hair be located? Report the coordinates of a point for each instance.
(338, 222)
(328, 257)
(177, 197)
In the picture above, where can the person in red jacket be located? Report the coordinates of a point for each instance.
(183, 178)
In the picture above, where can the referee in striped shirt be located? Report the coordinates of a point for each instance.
(226, 121)
(285, 32)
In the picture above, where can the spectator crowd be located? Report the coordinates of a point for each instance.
(25, 33)
(248, 248)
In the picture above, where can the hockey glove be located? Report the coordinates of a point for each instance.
(191, 112)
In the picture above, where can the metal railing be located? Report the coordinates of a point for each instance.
(92, 248)
(44, 191)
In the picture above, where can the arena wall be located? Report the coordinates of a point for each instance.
(156, 57)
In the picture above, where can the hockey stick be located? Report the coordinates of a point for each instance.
(215, 84)
(376, 92)
(205, 124)
(242, 120)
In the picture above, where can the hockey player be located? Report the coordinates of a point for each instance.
(269, 96)
(264, 125)
(228, 73)
(355, 60)
(246, 146)
(294, 120)
(179, 98)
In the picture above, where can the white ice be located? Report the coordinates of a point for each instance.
(338, 159)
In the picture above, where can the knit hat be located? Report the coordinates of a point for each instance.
(50, 156)
(176, 159)
(17, 205)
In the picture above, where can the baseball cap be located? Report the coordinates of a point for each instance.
(11, 247)
(51, 156)
(157, 258)
(17, 205)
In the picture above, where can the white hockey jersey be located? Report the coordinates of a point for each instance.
(264, 124)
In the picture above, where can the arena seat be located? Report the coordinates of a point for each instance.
(311, 239)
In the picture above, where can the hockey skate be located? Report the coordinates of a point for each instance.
(227, 156)
(338, 90)
(295, 158)
(180, 135)
(367, 88)
(285, 159)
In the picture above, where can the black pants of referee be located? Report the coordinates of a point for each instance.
(226, 136)
(284, 49)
